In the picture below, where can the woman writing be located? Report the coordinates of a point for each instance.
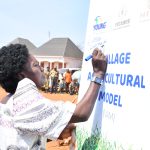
(27, 119)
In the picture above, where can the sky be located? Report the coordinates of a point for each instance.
(42, 20)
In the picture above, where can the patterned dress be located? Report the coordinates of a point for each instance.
(28, 119)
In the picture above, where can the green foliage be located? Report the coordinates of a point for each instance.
(95, 141)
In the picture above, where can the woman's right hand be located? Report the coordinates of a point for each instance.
(86, 104)
(99, 63)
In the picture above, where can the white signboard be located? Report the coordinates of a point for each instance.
(120, 120)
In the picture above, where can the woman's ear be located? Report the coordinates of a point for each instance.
(21, 75)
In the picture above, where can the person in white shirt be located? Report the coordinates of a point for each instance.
(27, 119)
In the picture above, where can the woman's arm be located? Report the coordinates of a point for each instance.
(85, 106)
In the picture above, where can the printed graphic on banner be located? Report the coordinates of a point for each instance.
(145, 12)
(122, 18)
(100, 24)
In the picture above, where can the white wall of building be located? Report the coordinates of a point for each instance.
(70, 62)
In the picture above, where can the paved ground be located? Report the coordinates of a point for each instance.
(65, 97)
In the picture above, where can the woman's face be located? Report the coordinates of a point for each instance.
(33, 71)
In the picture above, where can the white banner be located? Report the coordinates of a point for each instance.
(120, 120)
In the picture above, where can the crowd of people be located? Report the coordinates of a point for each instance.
(60, 82)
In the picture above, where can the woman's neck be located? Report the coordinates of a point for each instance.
(5, 99)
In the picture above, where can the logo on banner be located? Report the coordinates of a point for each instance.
(99, 23)
(145, 13)
(122, 19)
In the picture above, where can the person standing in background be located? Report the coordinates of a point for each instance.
(54, 80)
(74, 87)
(61, 83)
(47, 75)
(68, 79)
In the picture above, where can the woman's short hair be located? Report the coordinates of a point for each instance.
(12, 61)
